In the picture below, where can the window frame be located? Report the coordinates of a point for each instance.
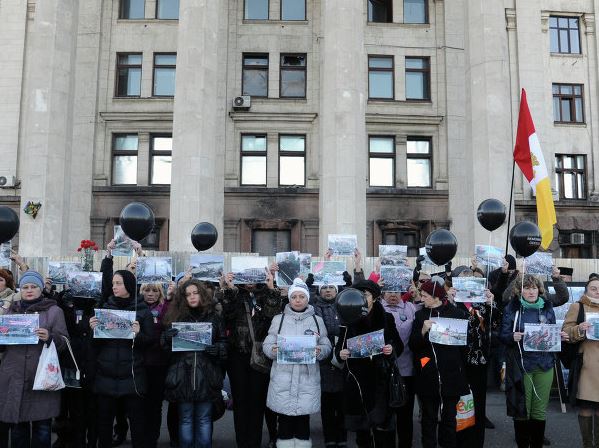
(386, 70)
(428, 156)
(559, 172)
(120, 67)
(121, 8)
(156, 11)
(154, 66)
(154, 152)
(303, 68)
(292, 20)
(282, 153)
(572, 99)
(116, 153)
(427, 19)
(253, 154)
(389, 13)
(427, 78)
(254, 68)
(383, 155)
(558, 28)
(267, 10)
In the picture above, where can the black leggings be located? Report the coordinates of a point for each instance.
(135, 411)
(294, 427)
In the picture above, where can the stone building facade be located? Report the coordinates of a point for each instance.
(381, 118)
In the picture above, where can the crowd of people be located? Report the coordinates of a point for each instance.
(123, 383)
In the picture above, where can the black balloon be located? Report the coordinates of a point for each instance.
(491, 214)
(525, 238)
(204, 236)
(137, 220)
(351, 305)
(9, 223)
(441, 246)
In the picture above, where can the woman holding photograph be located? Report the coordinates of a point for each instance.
(120, 377)
(365, 386)
(195, 378)
(529, 374)
(587, 396)
(440, 378)
(30, 412)
(294, 389)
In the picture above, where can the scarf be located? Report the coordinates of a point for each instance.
(25, 304)
(539, 304)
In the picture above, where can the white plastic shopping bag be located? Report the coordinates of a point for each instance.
(48, 375)
(465, 412)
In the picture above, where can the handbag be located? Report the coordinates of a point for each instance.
(398, 393)
(569, 352)
(465, 417)
(70, 376)
(47, 375)
(258, 360)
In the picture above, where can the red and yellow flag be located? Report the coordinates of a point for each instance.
(529, 157)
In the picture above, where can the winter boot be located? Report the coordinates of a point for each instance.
(537, 433)
(586, 431)
(286, 443)
(301, 443)
(596, 428)
(522, 431)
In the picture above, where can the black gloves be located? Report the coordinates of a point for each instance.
(416, 275)
(211, 350)
(347, 278)
(171, 333)
(310, 280)
(419, 261)
(448, 269)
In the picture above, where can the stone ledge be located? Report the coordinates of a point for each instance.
(119, 190)
(136, 116)
(301, 117)
(406, 192)
(397, 119)
(258, 191)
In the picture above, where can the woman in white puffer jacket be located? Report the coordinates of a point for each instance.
(294, 389)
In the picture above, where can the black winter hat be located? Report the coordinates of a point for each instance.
(129, 281)
(370, 286)
(511, 261)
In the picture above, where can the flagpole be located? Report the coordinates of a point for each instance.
(509, 214)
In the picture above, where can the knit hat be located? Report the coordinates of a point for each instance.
(458, 270)
(511, 261)
(370, 286)
(298, 286)
(31, 277)
(129, 281)
(433, 289)
(323, 285)
(179, 277)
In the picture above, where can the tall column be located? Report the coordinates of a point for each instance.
(46, 127)
(197, 187)
(488, 147)
(342, 121)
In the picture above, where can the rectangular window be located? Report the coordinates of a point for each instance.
(380, 77)
(381, 151)
(161, 152)
(380, 11)
(167, 9)
(292, 160)
(256, 10)
(269, 242)
(128, 74)
(293, 76)
(254, 81)
(400, 237)
(568, 103)
(293, 9)
(132, 9)
(415, 11)
(576, 243)
(418, 79)
(124, 159)
(564, 35)
(570, 179)
(253, 160)
(419, 160)
(164, 74)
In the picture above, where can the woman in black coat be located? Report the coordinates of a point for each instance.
(119, 373)
(366, 379)
(440, 376)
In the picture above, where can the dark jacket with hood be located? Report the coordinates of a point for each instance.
(367, 378)
(433, 361)
(117, 358)
(331, 377)
(196, 376)
(18, 401)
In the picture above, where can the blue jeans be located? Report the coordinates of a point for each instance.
(31, 434)
(195, 424)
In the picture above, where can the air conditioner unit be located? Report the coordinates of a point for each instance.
(242, 102)
(7, 181)
(577, 238)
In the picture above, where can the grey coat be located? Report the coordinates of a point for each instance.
(18, 401)
(294, 389)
